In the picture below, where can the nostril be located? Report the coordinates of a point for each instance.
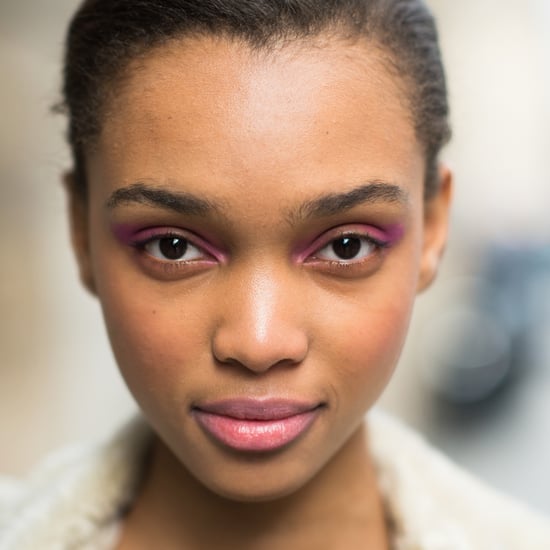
(260, 326)
(278, 350)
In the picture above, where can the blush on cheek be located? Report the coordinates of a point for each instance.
(370, 343)
(136, 334)
(145, 365)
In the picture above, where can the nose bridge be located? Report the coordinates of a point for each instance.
(262, 305)
(261, 325)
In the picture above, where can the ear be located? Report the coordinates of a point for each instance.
(79, 227)
(436, 224)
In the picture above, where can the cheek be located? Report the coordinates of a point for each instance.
(371, 343)
(153, 341)
(366, 337)
(152, 329)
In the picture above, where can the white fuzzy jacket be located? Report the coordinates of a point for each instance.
(74, 498)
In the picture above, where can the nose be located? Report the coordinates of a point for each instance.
(260, 324)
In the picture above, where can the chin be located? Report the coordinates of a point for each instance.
(257, 478)
(262, 489)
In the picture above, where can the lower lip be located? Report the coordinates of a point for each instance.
(255, 435)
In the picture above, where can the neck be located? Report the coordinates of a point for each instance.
(340, 507)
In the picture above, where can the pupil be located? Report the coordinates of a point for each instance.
(173, 248)
(347, 248)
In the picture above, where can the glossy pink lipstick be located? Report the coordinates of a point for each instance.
(250, 425)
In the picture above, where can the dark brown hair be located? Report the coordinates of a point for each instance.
(105, 35)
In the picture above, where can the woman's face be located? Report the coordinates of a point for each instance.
(256, 234)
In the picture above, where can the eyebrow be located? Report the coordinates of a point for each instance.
(324, 206)
(372, 192)
(180, 202)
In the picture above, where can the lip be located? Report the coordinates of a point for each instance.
(249, 425)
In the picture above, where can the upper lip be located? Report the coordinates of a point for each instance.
(257, 409)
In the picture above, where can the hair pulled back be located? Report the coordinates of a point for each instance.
(105, 35)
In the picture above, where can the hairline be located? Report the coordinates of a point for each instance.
(342, 28)
(321, 37)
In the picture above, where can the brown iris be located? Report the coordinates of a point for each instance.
(173, 248)
(346, 248)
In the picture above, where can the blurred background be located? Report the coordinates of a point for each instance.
(475, 375)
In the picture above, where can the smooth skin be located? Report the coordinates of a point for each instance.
(261, 304)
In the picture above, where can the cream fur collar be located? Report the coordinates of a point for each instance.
(433, 504)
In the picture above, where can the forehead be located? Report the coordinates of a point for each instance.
(211, 110)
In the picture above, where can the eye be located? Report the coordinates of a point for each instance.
(348, 249)
(172, 248)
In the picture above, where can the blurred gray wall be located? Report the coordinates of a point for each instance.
(58, 382)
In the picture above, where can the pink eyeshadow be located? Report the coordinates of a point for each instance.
(388, 236)
(125, 233)
(132, 234)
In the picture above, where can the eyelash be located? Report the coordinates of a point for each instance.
(343, 267)
(173, 268)
(352, 266)
(164, 237)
